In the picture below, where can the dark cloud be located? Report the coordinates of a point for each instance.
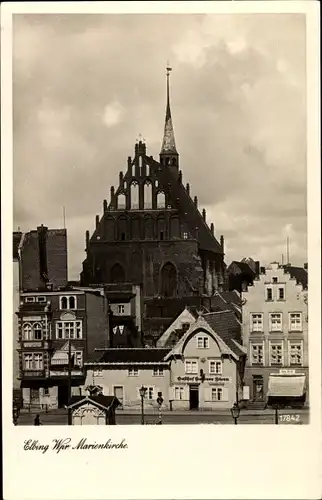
(85, 86)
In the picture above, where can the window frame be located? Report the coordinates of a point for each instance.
(216, 391)
(77, 330)
(30, 330)
(270, 322)
(252, 329)
(267, 289)
(205, 341)
(134, 370)
(178, 390)
(158, 371)
(120, 308)
(270, 348)
(32, 360)
(191, 362)
(216, 362)
(39, 329)
(292, 343)
(300, 329)
(67, 298)
(279, 288)
(257, 344)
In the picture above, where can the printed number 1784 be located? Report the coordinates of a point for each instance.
(289, 418)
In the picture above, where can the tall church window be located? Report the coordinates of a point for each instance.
(135, 228)
(134, 195)
(148, 228)
(147, 193)
(121, 201)
(174, 227)
(147, 169)
(161, 228)
(122, 228)
(117, 274)
(156, 184)
(109, 228)
(160, 200)
(133, 170)
(168, 280)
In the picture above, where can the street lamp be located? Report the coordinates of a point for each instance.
(142, 394)
(235, 411)
(160, 401)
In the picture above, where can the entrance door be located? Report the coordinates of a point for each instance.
(194, 397)
(119, 393)
(258, 389)
(62, 396)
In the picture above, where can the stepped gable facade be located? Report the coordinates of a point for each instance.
(152, 233)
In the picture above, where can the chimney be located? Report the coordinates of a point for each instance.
(188, 188)
(195, 201)
(97, 221)
(212, 228)
(87, 238)
(104, 206)
(257, 267)
(42, 248)
(222, 243)
(204, 214)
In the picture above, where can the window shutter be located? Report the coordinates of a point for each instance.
(207, 394)
(225, 395)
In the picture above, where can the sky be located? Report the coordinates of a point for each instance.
(85, 87)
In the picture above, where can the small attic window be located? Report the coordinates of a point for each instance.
(275, 280)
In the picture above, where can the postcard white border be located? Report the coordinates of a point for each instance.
(200, 461)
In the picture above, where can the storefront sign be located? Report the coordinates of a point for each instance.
(64, 373)
(286, 371)
(32, 344)
(214, 379)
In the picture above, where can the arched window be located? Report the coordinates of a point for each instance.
(147, 169)
(109, 228)
(37, 331)
(147, 194)
(64, 303)
(160, 200)
(133, 170)
(117, 274)
(121, 201)
(168, 280)
(72, 302)
(134, 195)
(122, 228)
(27, 331)
(156, 184)
(140, 162)
(174, 227)
(135, 228)
(124, 185)
(161, 228)
(148, 228)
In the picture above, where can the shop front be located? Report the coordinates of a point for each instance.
(287, 388)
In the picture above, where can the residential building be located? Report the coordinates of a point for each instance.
(16, 242)
(204, 369)
(275, 333)
(152, 233)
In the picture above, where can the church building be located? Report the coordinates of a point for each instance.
(152, 233)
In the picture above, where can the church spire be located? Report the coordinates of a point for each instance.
(169, 154)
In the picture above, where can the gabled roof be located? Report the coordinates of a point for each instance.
(232, 297)
(243, 267)
(222, 324)
(299, 273)
(128, 355)
(100, 400)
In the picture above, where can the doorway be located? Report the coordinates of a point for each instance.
(258, 388)
(62, 396)
(194, 397)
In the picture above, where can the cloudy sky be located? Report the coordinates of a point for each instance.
(86, 86)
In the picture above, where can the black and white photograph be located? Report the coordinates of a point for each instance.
(161, 269)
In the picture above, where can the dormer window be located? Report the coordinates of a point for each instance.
(29, 300)
(68, 302)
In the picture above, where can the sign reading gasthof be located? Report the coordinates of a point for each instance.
(215, 379)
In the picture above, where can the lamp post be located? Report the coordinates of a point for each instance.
(235, 411)
(160, 401)
(276, 413)
(142, 394)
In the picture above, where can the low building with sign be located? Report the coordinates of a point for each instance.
(204, 370)
(275, 333)
(93, 410)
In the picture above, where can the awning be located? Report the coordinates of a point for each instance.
(286, 385)
(60, 358)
